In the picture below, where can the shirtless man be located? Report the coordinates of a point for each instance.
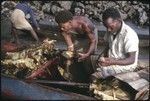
(70, 24)
(78, 25)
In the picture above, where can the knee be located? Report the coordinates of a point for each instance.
(92, 78)
(29, 29)
(95, 76)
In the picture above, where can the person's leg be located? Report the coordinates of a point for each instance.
(12, 34)
(34, 35)
(103, 72)
(25, 25)
(15, 35)
(96, 75)
(106, 71)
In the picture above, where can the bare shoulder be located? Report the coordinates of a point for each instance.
(85, 22)
(78, 17)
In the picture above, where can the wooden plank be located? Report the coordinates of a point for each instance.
(137, 80)
(138, 84)
(144, 74)
(104, 96)
(14, 89)
(143, 94)
(127, 77)
(62, 83)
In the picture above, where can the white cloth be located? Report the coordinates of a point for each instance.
(19, 21)
(125, 41)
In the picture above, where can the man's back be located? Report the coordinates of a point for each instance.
(24, 7)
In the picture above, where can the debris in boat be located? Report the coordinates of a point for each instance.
(42, 71)
(35, 62)
(123, 86)
(30, 59)
(68, 54)
(10, 47)
(109, 89)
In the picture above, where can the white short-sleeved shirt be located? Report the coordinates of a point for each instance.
(125, 41)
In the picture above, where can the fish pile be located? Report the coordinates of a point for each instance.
(36, 61)
(28, 59)
(109, 89)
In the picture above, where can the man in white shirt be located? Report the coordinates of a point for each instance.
(122, 54)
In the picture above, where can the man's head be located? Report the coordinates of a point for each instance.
(64, 20)
(111, 19)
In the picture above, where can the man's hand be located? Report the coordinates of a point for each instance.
(103, 61)
(82, 56)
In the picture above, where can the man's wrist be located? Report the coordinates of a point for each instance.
(71, 46)
(87, 54)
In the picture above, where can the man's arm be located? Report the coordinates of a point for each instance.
(92, 38)
(112, 61)
(68, 40)
(92, 43)
(126, 61)
(91, 35)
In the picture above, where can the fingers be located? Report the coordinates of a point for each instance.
(80, 54)
(70, 48)
(80, 57)
(103, 61)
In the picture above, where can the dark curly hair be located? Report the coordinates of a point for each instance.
(63, 16)
(111, 12)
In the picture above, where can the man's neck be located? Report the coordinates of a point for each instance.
(119, 27)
